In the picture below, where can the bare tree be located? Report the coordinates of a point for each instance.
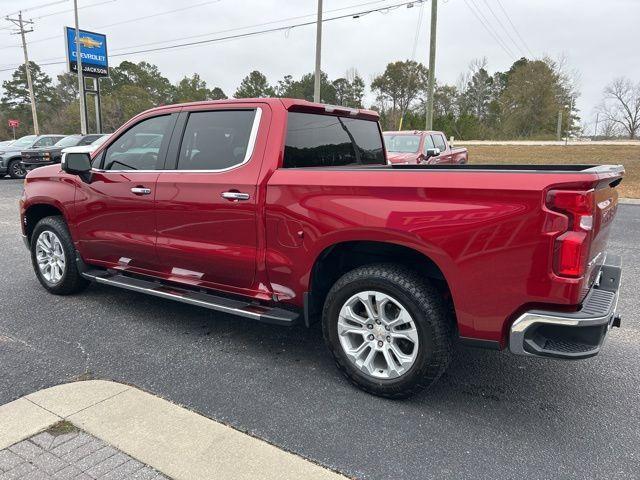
(621, 105)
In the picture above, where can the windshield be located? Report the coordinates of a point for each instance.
(100, 140)
(24, 141)
(402, 143)
(70, 141)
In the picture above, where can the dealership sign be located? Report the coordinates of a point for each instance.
(93, 48)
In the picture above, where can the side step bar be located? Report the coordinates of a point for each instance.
(261, 313)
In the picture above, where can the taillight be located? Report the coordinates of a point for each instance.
(571, 248)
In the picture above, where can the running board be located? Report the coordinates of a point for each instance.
(261, 313)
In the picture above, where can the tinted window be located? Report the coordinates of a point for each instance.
(215, 140)
(139, 147)
(438, 140)
(328, 141)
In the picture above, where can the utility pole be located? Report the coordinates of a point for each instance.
(83, 109)
(432, 65)
(19, 22)
(566, 138)
(595, 130)
(559, 126)
(316, 83)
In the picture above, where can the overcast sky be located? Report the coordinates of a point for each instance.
(600, 39)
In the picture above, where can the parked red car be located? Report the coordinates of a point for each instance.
(428, 147)
(286, 211)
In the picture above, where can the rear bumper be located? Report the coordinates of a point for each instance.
(572, 335)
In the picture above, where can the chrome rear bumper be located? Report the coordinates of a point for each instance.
(571, 335)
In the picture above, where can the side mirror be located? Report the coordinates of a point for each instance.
(77, 164)
(432, 152)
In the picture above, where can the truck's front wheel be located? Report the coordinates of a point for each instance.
(388, 330)
(54, 257)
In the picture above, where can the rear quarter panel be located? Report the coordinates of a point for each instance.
(487, 231)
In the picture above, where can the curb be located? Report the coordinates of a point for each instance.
(629, 201)
(173, 440)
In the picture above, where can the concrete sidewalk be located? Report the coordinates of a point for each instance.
(172, 440)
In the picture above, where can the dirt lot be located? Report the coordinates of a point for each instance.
(629, 156)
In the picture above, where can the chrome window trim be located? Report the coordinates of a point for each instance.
(247, 156)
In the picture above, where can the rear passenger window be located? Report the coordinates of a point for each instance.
(216, 140)
(315, 140)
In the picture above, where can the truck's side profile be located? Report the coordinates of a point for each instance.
(286, 211)
(422, 147)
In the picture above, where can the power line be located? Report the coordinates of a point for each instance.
(245, 35)
(220, 31)
(52, 14)
(37, 7)
(490, 25)
(503, 27)
(514, 28)
(489, 29)
(59, 12)
(38, 40)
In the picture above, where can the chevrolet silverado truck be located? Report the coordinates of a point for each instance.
(287, 212)
(428, 147)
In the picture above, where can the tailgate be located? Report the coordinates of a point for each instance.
(606, 205)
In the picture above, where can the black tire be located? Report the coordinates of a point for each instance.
(16, 169)
(429, 312)
(71, 281)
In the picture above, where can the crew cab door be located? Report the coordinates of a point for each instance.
(116, 222)
(206, 199)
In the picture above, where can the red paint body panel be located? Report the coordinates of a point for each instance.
(489, 231)
(448, 156)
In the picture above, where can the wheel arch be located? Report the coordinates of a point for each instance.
(36, 212)
(337, 259)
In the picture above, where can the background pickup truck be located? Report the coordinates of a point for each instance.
(287, 212)
(415, 147)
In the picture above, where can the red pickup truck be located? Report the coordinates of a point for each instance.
(286, 211)
(416, 147)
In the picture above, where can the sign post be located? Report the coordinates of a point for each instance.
(94, 62)
(14, 124)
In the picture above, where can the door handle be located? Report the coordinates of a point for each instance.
(141, 190)
(235, 196)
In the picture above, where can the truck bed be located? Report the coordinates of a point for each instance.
(516, 168)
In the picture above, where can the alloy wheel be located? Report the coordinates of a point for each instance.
(378, 334)
(50, 257)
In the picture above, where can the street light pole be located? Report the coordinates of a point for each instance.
(83, 111)
(316, 84)
(432, 65)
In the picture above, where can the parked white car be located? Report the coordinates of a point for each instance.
(88, 148)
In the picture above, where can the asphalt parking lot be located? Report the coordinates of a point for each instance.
(493, 415)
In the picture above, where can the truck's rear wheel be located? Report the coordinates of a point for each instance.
(388, 330)
(54, 257)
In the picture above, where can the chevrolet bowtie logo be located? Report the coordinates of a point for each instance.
(89, 42)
